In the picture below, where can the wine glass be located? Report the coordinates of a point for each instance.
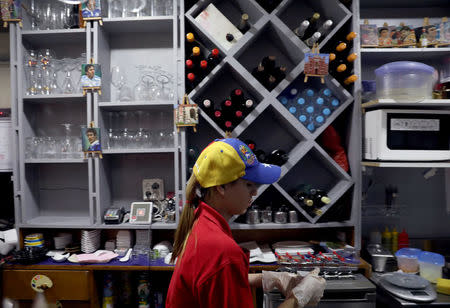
(117, 80)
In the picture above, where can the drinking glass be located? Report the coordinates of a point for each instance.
(116, 8)
(117, 80)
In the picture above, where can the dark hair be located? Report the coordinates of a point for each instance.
(92, 130)
(86, 68)
(382, 29)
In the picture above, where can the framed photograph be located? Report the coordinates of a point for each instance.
(385, 34)
(404, 36)
(91, 8)
(369, 36)
(91, 75)
(91, 139)
(316, 64)
(11, 10)
(141, 212)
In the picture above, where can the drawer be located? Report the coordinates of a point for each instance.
(67, 284)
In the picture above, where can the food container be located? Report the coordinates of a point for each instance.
(378, 255)
(407, 259)
(369, 90)
(404, 81)
(431, 264)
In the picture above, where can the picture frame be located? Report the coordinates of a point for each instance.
(369, 35)
(91, 140)
(91, 9)
(404, 36)
(443, 38)
(11, 11)
(141, 213)
(186, 114)
(91, 78)
(386, 37)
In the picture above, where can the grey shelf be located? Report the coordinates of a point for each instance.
(55, 161)
(302, 225)
(139, 24)
(136, 105)
(143, 151)
(54, 37)
(125, 225)
(402, 54)
(58, 221)
(426, 103)
(405, 164)
(53, 98)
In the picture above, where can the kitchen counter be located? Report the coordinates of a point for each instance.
(386, 299)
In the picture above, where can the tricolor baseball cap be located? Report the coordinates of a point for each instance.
(226, 160)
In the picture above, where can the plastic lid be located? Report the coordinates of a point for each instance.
(215, 52)
(310, 109)
(319, 101)
(302, 118)
(319, 119)
(191, 76)
(203, 64)
(327, 92)
(196, 51)
(190, 37)
(292, 109)
(293, 91)
(431, 257)
(412, 253)
(301, 101)
(326, 111)
(284, 100)
(335, 102)
(404, 67)
(310, 127)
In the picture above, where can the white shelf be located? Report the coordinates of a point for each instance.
(125, 225)
(398, 54)
(130, 151)
(78, 97)
(139, 24)
(405, 164)
(55, 161)
(163, 226)
(393, 103)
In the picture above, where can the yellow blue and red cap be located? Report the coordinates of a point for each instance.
(226, 160)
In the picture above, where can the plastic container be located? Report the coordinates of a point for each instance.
(408, 259)
(369, 90)
(431, 264)
(404, 81)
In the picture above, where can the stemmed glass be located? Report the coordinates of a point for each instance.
(67, 146)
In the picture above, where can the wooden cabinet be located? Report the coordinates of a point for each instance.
(74, 288)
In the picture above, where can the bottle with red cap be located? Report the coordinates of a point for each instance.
(403, 239)
(237, 97)
(217, 116)
(203, 70)
(213, 58)
(251, 144)
(190, 82)
(189, 66)
(227, 107)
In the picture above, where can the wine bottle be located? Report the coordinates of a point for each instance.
(350, 80)
(237, 97)
(303, 198)
(340, 49)
(227, 107)
(269, 64)
(238, 116)
(325, 27)
(217, 116)
(260, 155)
(190, 82)
(228, 125)
(195, 56)
(279, 73)
(208, 107)
(229, 37)
(321, 198)
(352, 57)
(213, 58)
(260, 74)
(251, 144)
(300, 30)
(271, 83)
(247, 107)
(203, 69)
(313, 212)
(277, 157)
(190, 43)
(313, 25)
(243, 24)
(189, 66)
(313, 39)
(349, 39)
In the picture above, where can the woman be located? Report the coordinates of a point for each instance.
(211, 269)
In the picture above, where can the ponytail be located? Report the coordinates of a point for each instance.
(187, 218)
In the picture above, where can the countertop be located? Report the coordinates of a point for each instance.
(386, 299)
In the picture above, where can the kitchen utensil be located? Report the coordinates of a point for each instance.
(126, 257)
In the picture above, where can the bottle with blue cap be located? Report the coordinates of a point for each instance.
(308, 94)
(333, 103)
(325, 92)
(325, 111)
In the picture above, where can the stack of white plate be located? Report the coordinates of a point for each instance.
(124, 239)
(90, 240)
(292, 248)
(62, 240)
(110, 245)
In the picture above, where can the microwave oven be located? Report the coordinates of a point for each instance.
(407, 135)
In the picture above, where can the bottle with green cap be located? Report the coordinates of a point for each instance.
(386, 239)
(394, 234)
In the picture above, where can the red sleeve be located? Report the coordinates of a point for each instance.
(228, 287)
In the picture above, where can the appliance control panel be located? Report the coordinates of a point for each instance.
(153, 189)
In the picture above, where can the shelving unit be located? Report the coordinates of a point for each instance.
(73, 193)
(390, 103)
(271, 34)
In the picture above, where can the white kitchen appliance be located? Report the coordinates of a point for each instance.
(407, 135)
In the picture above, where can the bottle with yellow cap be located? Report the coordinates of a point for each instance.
(394, 234)
(386, 239)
